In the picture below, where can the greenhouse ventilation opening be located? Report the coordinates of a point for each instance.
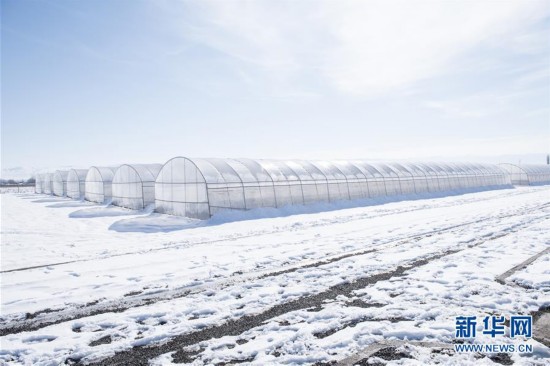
(98, 184)
(528, 174)
(133, 186)
(59, 183)
(198, 188)
(76, 183)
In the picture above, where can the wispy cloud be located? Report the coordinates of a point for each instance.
(361, 48)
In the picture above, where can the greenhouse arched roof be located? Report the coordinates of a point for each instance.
(201, 187)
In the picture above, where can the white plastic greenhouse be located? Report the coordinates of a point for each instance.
(47, 183)
(199, 188)
(76, 180)
(98, 184)
(133, 186)
(528, 174)
(59, 183)
(38, 183)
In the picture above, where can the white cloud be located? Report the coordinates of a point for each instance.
(361, 48)
(393, 44)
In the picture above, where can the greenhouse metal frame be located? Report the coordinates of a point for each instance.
(59, 183)
(99, 184)
(199, 188)
(76, 181)
(133, 186)
(528, 174)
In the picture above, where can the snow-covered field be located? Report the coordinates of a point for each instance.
(87, 283)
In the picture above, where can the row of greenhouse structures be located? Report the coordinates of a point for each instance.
(199, 188)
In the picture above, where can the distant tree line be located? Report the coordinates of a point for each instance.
(12, 182)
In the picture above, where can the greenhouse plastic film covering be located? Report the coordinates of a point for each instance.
(199, 188)
(76, 181)
(99, 184)
(38, 183)
(133, 186)
(47, 183)
(528, 174)
(59, 183)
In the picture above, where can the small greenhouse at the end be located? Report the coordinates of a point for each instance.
(59, 183)
(38, 183)
(528, 174)
(98, 184)
(76, 180)
(199, 188)
(133, 186)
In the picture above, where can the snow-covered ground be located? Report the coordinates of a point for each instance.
(81, 282)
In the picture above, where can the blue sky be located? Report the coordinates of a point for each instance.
(107, 82)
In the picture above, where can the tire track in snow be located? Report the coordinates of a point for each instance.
(141, 355)
(342, 219)
(46, 317)
(502, 278)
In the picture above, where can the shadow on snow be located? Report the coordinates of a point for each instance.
(51, 200)
(105, 211)
(155, 223)
(71, 204)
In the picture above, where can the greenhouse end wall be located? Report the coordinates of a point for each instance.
(99, 184)
(47, 183)
(38, 183)
(76, 183)
(59, 183)
(133, 186)
(198, 188)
